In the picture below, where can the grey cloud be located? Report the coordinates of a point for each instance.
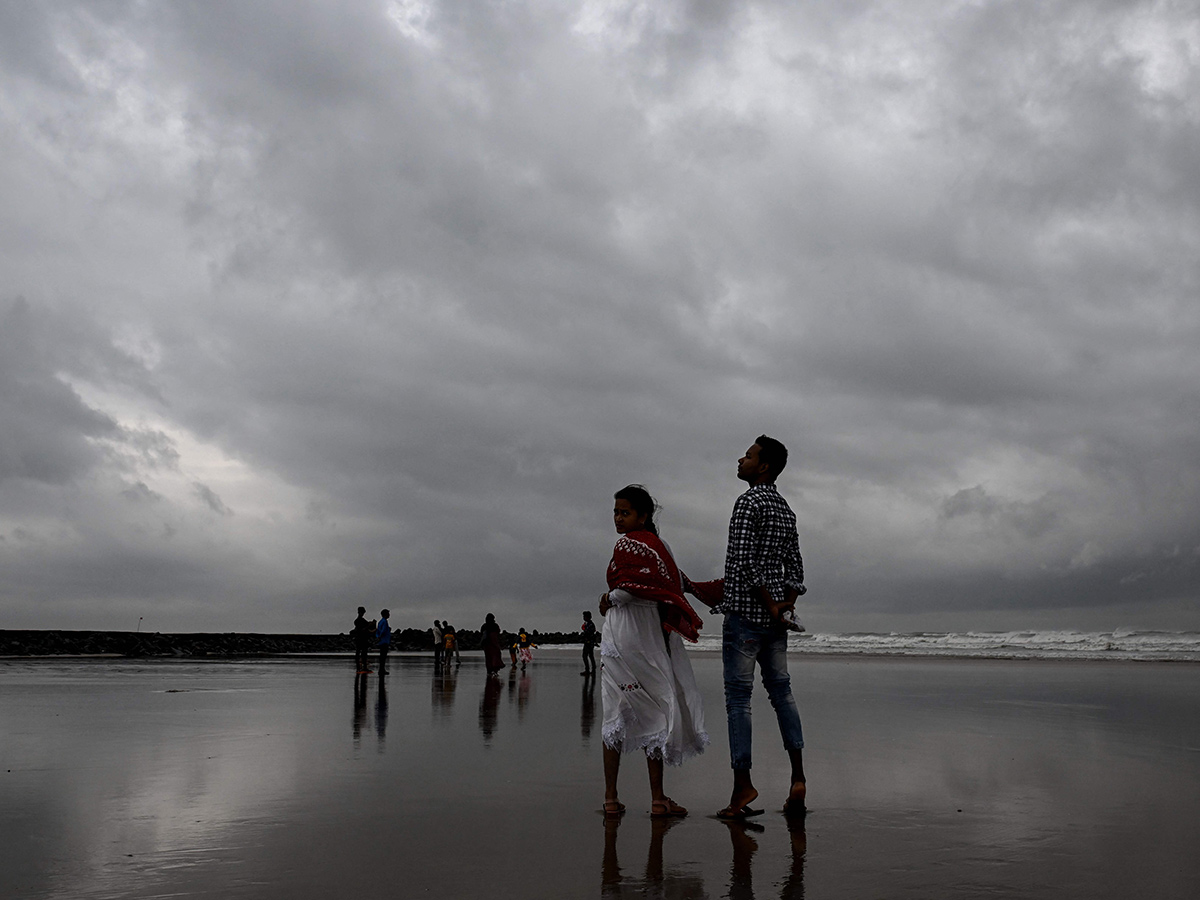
(438, 300)
(47, 426)
(211, 500)
(140, 493)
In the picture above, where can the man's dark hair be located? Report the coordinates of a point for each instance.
(771, 452)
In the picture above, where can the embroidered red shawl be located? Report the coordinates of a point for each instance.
(642, 565)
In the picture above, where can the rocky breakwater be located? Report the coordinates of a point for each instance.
(231, 644)
(131, 644)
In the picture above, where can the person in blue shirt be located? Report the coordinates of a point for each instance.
(383, 634)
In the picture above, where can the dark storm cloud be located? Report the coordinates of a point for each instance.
(412, 290)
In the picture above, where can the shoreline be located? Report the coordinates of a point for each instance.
(558, 650)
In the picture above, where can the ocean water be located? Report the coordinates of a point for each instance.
(1122, 644)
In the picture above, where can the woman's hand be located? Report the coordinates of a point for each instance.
(605, 604)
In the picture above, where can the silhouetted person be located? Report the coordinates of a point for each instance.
(489, 633)
(590, 640)
(450, 651)
(362, 641)
(383, 634)
(439, 641)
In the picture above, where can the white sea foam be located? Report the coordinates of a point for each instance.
(1123, 643)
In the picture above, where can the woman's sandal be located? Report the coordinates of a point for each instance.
(666, 809)
(613, 809)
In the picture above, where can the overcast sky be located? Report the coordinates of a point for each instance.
(311, 304)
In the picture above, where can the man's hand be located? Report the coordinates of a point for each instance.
(776, 608)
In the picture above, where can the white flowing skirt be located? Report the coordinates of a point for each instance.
(650, 697)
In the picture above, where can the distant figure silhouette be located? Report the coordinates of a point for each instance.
(590, 639)
(361, 633)
(439, 642)
(490, 633)
(383, 634)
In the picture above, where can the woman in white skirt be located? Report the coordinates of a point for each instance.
(651, 702)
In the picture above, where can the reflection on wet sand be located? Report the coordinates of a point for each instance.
(587, 707)
(744, 845)
(656, 880)
(489, 708)
(445, 680)
(659, 880)
(381, 713)
(234, 779)
(524, 685)
(359, 718)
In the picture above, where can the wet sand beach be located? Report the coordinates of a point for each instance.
(292, 778)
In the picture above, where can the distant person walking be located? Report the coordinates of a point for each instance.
(651, 702)
(525, 647)
(590, 639)
(764, 574)
(439, 642)
(490, 634)
(362, 641)
(383, 634)
(450, 636)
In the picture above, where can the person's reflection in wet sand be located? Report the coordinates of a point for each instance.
(524, 690)
(610, 868)
(360, 707)
(587, 707)
(741, 885)
(489, 707)
(793, 885)
(658, 882)
(445, 680)
(381, 714)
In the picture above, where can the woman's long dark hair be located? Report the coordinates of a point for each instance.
(639, 498)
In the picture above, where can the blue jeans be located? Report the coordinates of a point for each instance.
(742, 645)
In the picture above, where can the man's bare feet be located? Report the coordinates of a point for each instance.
(739, 801)
(794, 804)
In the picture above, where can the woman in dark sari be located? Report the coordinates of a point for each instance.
(490, 633)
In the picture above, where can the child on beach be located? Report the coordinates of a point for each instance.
(651, 702)
(451, 643)
(524, 648)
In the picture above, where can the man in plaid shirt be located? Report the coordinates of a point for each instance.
(764, 575)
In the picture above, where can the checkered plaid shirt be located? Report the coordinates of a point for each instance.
(764, 551)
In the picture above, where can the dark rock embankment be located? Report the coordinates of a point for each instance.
(143, 644)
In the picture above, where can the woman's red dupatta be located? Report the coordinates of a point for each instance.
(641, 565)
